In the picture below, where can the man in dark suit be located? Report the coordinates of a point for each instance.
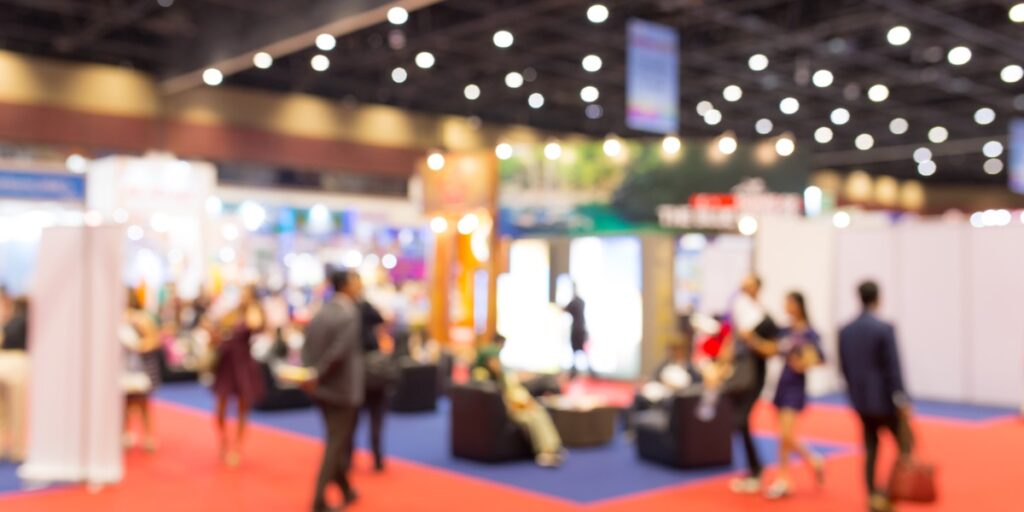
(333, 348)
(871, 365)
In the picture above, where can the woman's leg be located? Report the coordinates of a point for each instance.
(787, 432)
(243, 418)
(221, 417)
(148, 441)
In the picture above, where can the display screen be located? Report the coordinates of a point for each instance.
(1016, 158)
(652, 77)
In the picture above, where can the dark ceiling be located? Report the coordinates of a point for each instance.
(718, 37)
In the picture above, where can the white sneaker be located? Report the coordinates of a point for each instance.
(778, 490)
(745, 485)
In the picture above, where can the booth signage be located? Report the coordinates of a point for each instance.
(652, 77)
(723, 211)
(41, 186)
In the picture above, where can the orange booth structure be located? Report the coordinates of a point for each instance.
(460, 194)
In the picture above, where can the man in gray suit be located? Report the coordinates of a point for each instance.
(333, 348)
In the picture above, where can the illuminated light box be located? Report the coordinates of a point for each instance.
(652, 77)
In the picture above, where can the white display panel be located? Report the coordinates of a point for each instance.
(607, 273)
(930, 293)
(723, 264)
(995, 325)
(533, 327)
(863, 255)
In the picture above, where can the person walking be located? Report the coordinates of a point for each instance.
(236, 374)
(141, 378)
(750, 347)
(14, 374)
(333, 349)
(578, 334)
(870, 362)
(380, 372)
(801, 348)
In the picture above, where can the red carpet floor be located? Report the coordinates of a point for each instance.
(979, 462)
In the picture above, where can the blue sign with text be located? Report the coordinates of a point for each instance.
(41, 186)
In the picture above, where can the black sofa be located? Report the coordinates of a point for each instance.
(671, 433)
(417, 388)
(480, 427)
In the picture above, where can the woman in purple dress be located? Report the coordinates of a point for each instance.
(236, 373)
(801, 348)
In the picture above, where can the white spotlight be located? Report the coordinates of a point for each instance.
(984, 116)
(841, 220)
(993, 166)
(252, 214)
(435, 161)
(926, 168)
(389, 261)
(536, 100)
(76, 163)
(592, 63)
(992, 149)
(823, 135)
(1012, 74)
(262, 60)
(212, 77)
(789, 106)
(320, 62)
(785, 146)
(671, 145)
(589, 94)
(713, 117)
(822, 78)
(840, 116)
(503, 39)
(764, 126)
(1017, 13)
(597, 13)
(898, 35)
(326, 42)
(899, 126)
(959, 56)
(553, 151)
(472, 92)
(758, 62)
(703, 107)
(439, 225)
(612, 147)
(503, 151)
(514, 80)
(938, 134)
(747, 226)
(732, 93)
(864, 142)
(425, 60)
(399, 75)
(727, 144)
(878, 93)
(398, 15)
(922, 155)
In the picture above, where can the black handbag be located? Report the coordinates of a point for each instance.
(382, 370)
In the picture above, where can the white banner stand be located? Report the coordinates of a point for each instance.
(76, 406)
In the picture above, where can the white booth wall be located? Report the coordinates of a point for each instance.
(950, 289)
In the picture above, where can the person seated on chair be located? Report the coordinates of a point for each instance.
(522, 408)
(675, 373)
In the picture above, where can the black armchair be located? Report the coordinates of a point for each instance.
(672, 434)
(417, 388)
(480, 427)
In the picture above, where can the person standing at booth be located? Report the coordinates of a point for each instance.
(14, 367)
(870, 362)
(578, 334)
(333, 348)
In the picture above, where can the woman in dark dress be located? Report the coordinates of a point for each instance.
(236, 373)
(801, 347)
(578, 335)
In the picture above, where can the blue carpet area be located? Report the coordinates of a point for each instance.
(936, 409)
(9, 478)
(589, 475)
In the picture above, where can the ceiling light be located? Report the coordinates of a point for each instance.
(553, 151)
(536, 100)
(594, 111)
(841, 220)
(993, 166)
(713, 117)
(732, 93)
(822, 78)
(326, 42)
(589, 94)
(592, 63)
(213, 77)
(503, 151)
(472, 92)
(985, 116)
(922, 155)
(898, 35)
(398, 15)
(764, 126)
(1017, 13)
(959, 56)
(899, 126)
(503, 39)
(514, 80)
(399, 75)
(1012, 74)
(992, 149)
(840, 116)
(435, 161)
(76, 163)
(785, 146)
(703, 107)
(320, 62)
(612, 147)
(425, 60)
(727, 144)
(789, 106)
(878, 93)
(938, 134)
(439, 225)
(758, 62)
(262, 60)
(597, 13)
(926, 168)
(823, 135)
(864, 142)
(671, 145)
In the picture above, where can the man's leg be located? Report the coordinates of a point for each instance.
(870, 426)
(376, 402)
(333, 447)
(346, 425)
(901, 431)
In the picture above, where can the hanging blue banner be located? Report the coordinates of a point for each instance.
(652, 77)
(41, 186)
(1016, 159)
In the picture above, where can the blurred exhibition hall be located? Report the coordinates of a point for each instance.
(511, 255)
